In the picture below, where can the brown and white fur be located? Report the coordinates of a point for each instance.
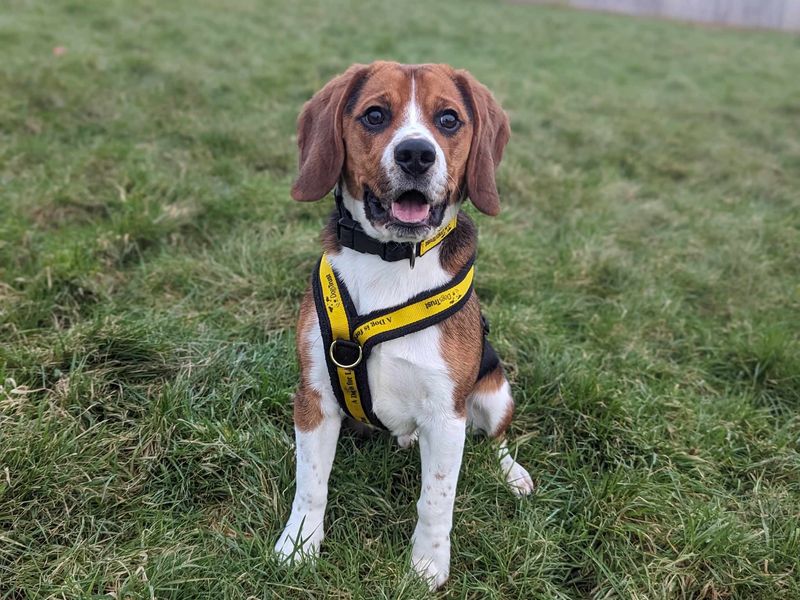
(423, 384)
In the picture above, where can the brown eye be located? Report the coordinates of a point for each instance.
(448, 121)
(374, 117)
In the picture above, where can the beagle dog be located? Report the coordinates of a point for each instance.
(389, 332)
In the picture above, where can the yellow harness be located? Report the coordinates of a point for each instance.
(349, 337)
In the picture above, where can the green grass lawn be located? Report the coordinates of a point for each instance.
(643, 282)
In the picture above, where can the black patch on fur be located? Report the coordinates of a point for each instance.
(466, 95)
(355, 91)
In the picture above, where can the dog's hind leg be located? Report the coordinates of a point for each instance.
(490, 408)
(408, 440)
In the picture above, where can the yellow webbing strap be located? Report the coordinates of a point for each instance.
(407, 317)
(426, 245)
(413, 313)
(340, 330)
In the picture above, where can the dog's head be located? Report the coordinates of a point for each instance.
(407, 142)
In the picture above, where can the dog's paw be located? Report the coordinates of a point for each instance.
(519, 480)
(406, 441)
(431, 561)
(435, 575)
(297, 545)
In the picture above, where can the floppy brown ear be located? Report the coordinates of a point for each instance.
(490, 133)
(319, 136)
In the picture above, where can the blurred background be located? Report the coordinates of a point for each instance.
(772, 14)
(643, 283)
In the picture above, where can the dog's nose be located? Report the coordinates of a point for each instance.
(415, 155)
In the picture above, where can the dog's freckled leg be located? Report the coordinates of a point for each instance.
(304, 531)
(441, 448)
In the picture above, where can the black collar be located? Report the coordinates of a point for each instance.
(351, 235)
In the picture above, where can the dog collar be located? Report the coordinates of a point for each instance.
(351, 235)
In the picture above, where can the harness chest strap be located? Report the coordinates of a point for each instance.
(349, 338)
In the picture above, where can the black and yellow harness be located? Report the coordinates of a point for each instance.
(348, 338)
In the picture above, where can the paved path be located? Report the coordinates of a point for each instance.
(771, 14)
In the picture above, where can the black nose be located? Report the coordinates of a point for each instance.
(415, 156)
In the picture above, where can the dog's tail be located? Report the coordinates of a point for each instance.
(358, 428)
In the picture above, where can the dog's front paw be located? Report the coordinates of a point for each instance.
(298, 542)
(431, 560)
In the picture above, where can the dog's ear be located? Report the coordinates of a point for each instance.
(319, 136)
(490, 133)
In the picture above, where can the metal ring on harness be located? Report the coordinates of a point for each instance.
(349, 348)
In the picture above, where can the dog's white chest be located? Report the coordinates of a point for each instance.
(408, 379)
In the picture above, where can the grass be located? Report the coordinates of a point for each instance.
(643, 282)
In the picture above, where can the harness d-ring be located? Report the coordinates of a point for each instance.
(346, 344)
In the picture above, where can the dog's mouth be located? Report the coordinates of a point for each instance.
(408, 215)
(410, 208)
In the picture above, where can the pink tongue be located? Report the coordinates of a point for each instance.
(410, 211)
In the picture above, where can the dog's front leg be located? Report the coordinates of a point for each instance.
(441, 445)
(302, 536)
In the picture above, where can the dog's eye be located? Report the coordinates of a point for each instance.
(374, 117)
(448, 120)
